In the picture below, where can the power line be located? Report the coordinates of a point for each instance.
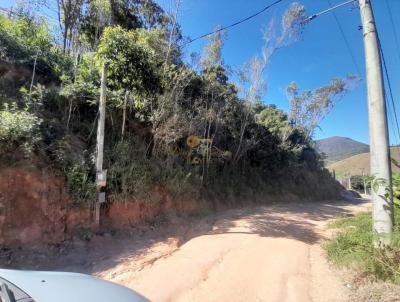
(398, 53)
(391, 119)
(6, 11)
(345, 40)
(396, 140)
(394, 28)
(233, 24)
(312, 17)
(10, 12)
(380, 50)
(389, 85)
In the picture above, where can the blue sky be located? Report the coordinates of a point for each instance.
(318, 57)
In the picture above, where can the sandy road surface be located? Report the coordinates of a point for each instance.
(261, 254)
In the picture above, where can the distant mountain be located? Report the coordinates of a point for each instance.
(359, 164)
(337, 148)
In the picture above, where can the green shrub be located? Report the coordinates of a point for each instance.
(130, 172)
(19, 129)
(80, 185)
(353, 248)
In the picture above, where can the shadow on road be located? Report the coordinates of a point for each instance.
(298, 221)
(292, 220)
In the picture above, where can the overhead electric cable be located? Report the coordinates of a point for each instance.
(10, 12)
(389, 85)
(345, 41)
(396, 140)
(391, 120)
(381, 52)
(233, 24)
(394, 29)
(312, 17)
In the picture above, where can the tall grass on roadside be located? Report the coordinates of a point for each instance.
(353, 248)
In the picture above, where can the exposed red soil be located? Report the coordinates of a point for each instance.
(130, 213)
(35, 209)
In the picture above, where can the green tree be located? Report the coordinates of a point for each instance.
(133, 66)
(128, 14)
(69, 14)
(275, 120)
(130, 62)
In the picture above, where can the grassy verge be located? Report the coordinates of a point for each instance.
(353, 248)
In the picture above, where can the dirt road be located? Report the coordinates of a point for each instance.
(270, 253)
(261, 254)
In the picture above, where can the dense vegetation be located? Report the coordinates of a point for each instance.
(241, 149)
(354, 248)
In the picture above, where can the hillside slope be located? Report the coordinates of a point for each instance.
(355, 165)
(337, 148)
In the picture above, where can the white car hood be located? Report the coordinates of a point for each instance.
(68, 287)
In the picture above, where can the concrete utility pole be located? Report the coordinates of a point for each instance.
(100, 173)
(378, 131)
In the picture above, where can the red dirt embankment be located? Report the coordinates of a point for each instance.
(35, 209)
(123, 214)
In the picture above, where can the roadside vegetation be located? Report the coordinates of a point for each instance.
(353, 248)
(178, 124)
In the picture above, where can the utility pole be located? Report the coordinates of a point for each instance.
(382, 196)
(100, 173)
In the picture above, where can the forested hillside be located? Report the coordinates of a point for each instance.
(183, 126)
